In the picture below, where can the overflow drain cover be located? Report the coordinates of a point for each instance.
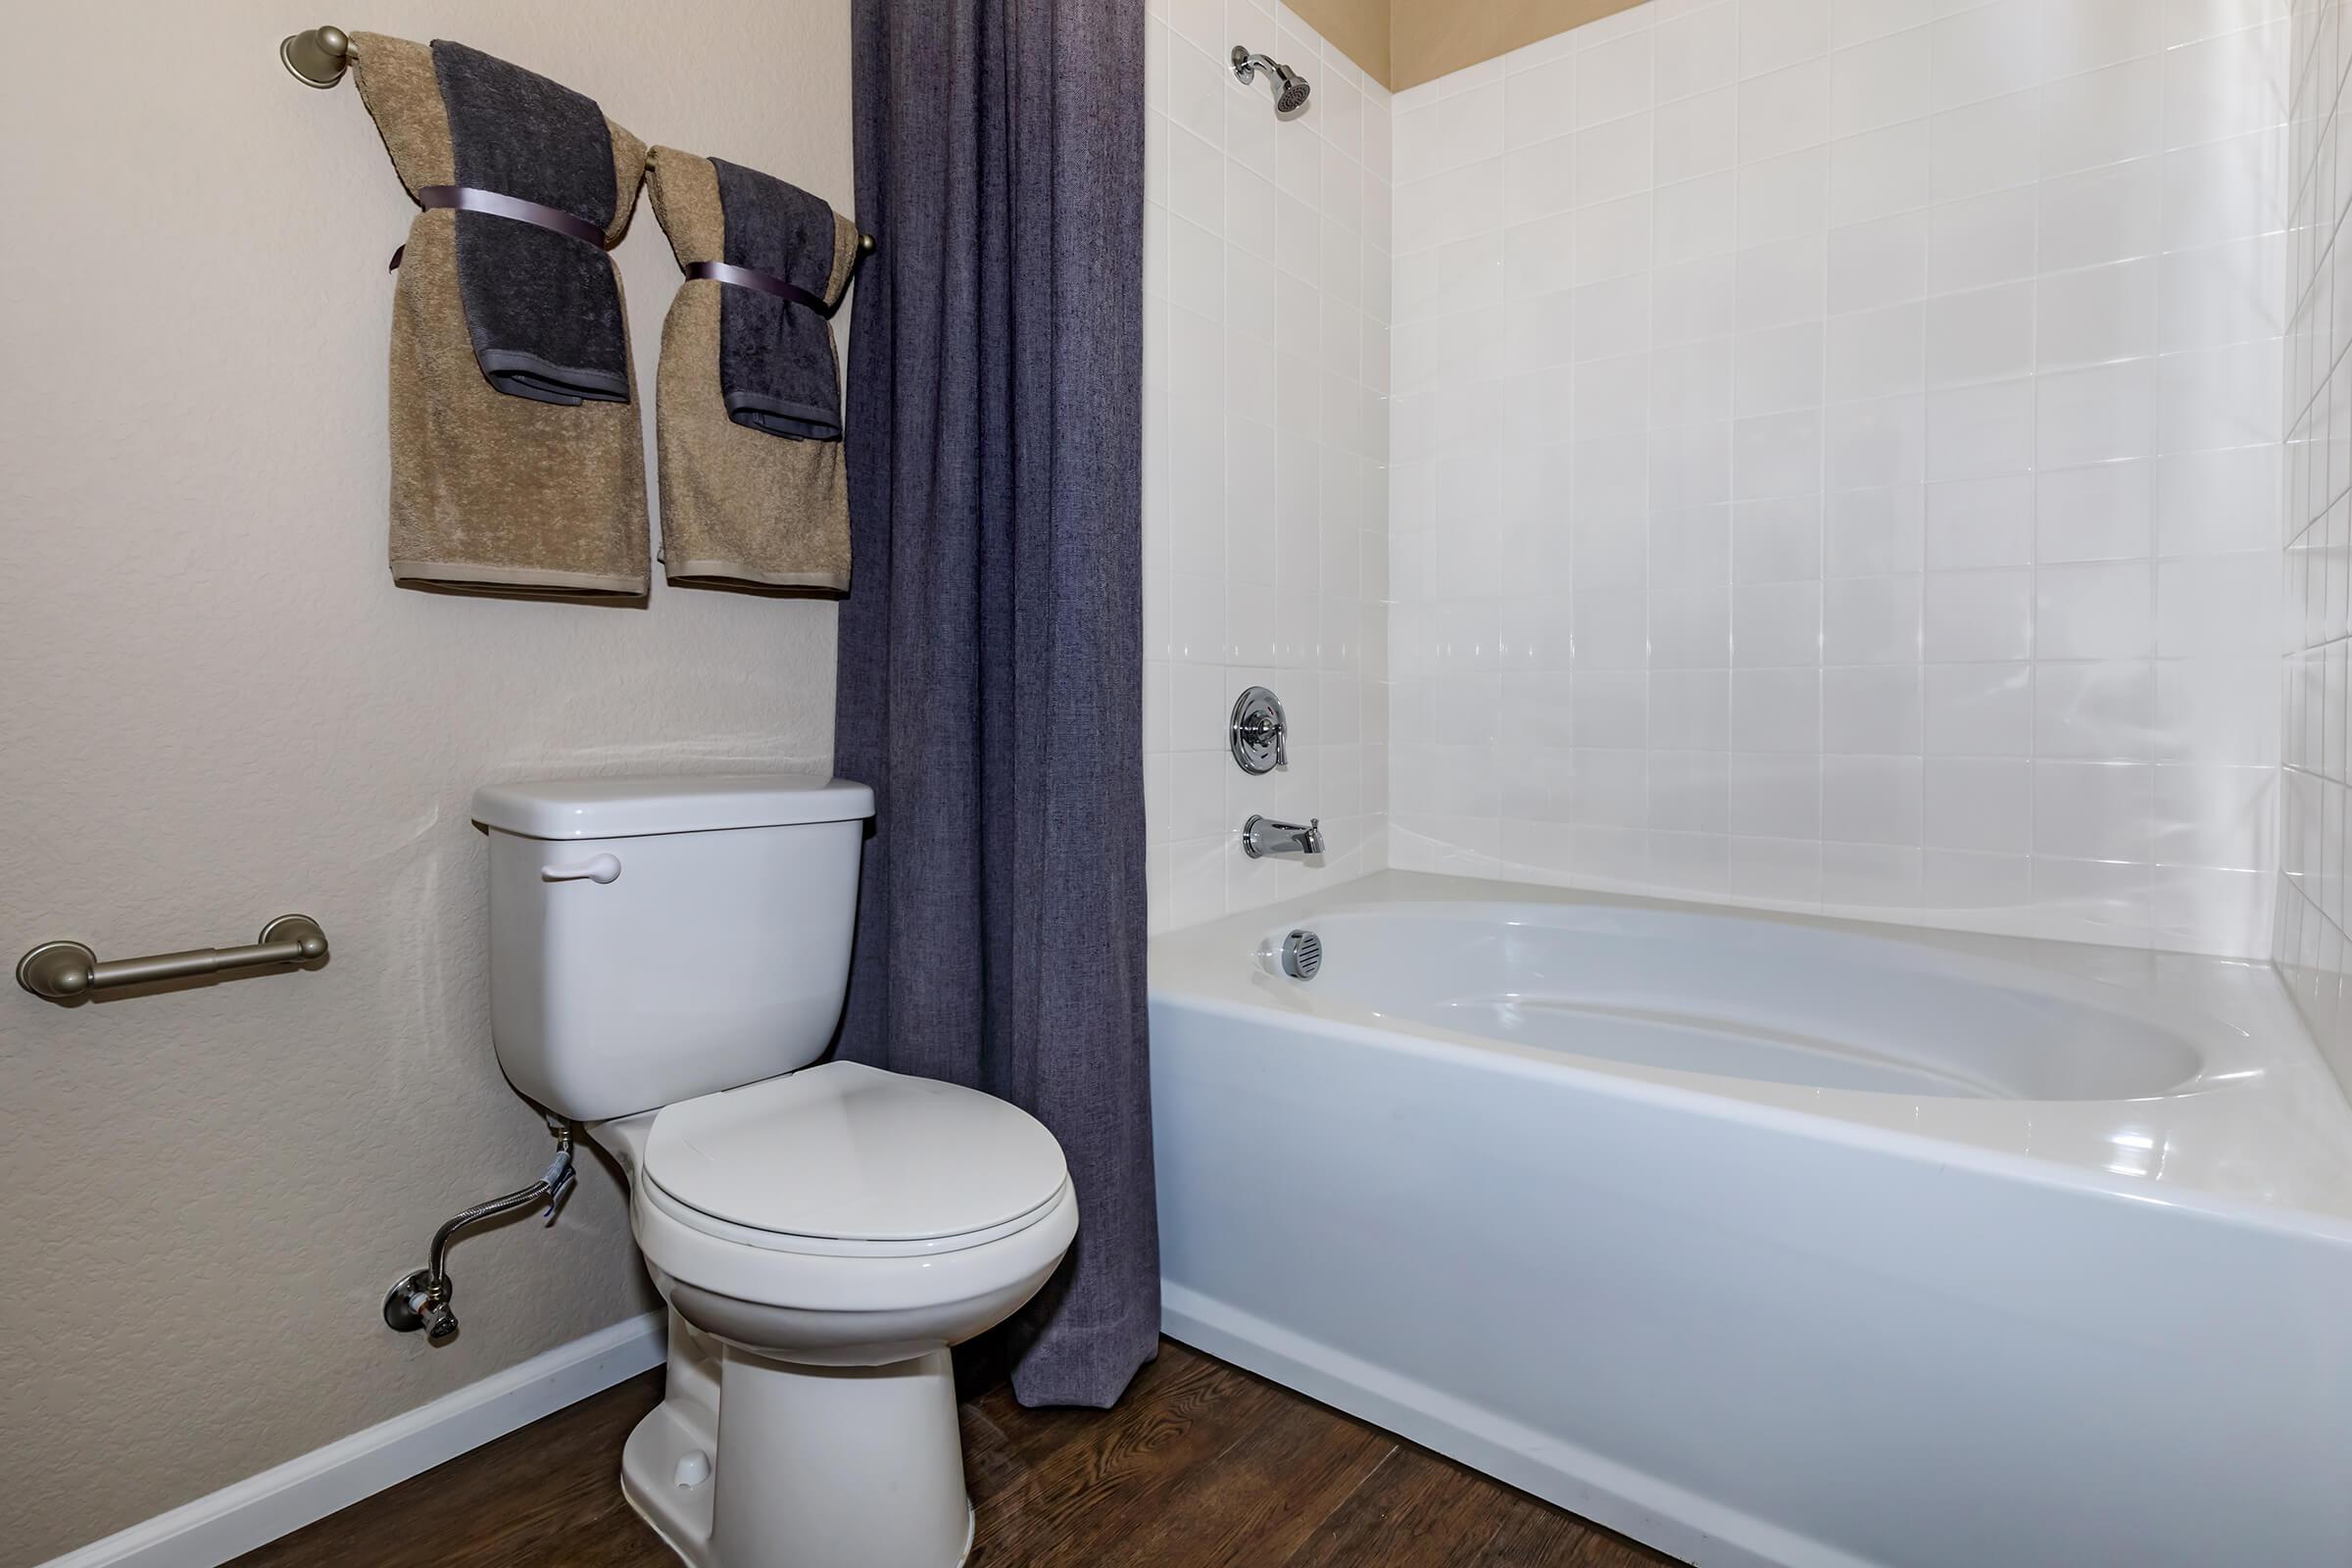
(1301, 954)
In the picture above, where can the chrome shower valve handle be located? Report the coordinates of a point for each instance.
(1257, 732)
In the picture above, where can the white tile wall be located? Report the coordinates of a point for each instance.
(2312, 950)
(1266, 512)
(1834, 463)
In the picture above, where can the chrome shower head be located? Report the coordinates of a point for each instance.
(1293, 88)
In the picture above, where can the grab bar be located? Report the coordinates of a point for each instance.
(63, 971)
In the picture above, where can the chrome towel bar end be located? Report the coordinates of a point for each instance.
(317, 57)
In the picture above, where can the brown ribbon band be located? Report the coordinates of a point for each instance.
(759, 282)
(468, 199)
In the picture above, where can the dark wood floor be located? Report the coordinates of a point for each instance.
(1200, 1464)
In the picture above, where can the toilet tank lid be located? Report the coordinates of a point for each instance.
(634, 808)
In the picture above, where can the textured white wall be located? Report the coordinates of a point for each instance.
(2315, 894)
(218, 708)
(1834, 462)
(1265, 438)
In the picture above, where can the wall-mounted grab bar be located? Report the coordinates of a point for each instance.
(63, 971)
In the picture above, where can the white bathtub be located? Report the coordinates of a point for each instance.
(1775, 1241)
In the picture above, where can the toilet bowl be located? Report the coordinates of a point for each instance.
(667, 963)
(821, 1240)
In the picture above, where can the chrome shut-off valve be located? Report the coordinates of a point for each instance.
(420, 1300)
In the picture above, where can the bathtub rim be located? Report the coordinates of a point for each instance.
(2220, 1047)
(2291, 1120)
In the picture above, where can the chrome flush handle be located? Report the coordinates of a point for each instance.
(595, 868)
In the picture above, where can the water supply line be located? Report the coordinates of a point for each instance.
(420, 1300)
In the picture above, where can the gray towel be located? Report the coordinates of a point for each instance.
(543, 309)
(776, 356)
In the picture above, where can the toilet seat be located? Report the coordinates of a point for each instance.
(694, 1219)
(847, 1161)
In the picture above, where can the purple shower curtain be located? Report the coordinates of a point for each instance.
(991, 644)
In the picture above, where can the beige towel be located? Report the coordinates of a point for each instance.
(491, 493)
(739, 507)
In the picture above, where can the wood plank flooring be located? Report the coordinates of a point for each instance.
(1202, 1465)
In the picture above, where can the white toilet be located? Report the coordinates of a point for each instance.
(668, 956)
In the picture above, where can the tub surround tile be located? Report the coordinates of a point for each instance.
(1891, 396)
(1269, 279)
(2301, 613)
(1783, 451)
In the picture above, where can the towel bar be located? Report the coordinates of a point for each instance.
(319, 57)
(63, 971)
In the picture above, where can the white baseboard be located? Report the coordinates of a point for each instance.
(259, 1510)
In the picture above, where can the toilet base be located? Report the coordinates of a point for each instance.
(820, 1467)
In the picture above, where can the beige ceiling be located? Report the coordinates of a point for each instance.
(1359, 28)
(1402, 43)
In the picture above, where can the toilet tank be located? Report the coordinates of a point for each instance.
(655, 939)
